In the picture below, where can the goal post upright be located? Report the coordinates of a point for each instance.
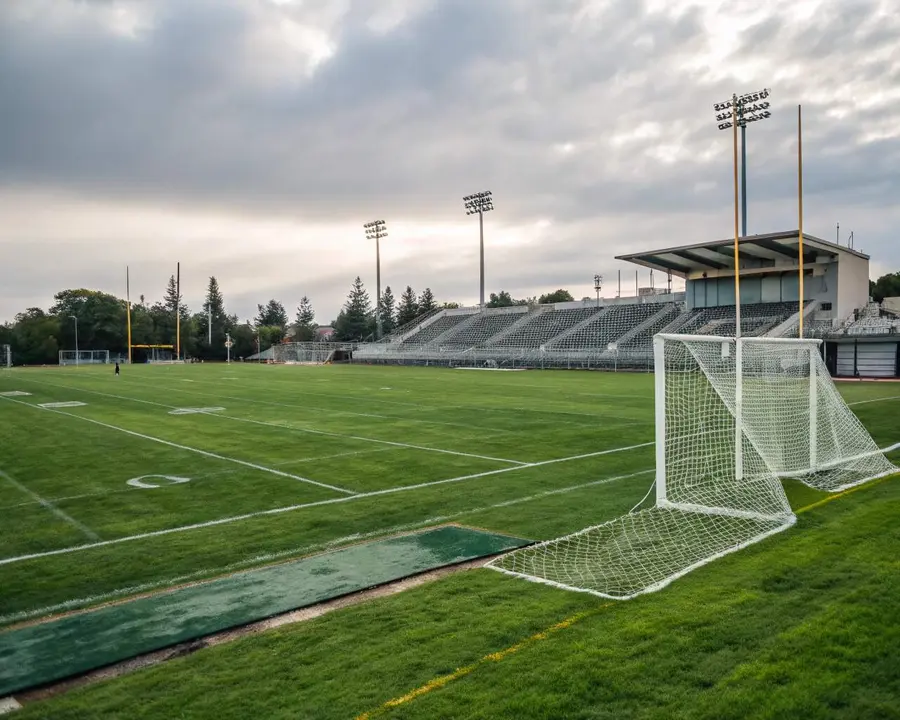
(813, 407)
(659, 375)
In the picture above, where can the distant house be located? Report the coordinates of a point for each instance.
(325, 334)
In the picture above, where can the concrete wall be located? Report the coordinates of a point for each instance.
(853, 285)
(820, 283)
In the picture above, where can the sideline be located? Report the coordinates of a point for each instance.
(443, 680)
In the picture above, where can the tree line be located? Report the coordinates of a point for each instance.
(37, 336)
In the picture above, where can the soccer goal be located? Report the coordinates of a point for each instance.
(84, 357)
(733, 417)
(5, 356)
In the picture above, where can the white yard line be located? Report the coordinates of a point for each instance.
(178, 446)
(202, 476)
(291, 508)
(283, 426)
(304, 550)
(50, 506)
(874, 400)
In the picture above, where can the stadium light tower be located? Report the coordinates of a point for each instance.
(480, 203)
(376, 230)
(77, 359)
(745, 109)
(598, 285)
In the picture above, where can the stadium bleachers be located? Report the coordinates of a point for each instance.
(480, 329)
(435, 329)
(542, 326)
(578, 335)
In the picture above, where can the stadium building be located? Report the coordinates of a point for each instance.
(861, 338)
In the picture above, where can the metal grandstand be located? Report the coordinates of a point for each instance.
(618, 333)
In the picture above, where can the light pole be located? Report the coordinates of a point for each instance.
(376, 230)
(598, 285)
(77, 359)
(480, 203)
(745, 109)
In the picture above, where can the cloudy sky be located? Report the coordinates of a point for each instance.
(251, 139)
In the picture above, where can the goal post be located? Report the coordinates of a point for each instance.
(733, 418)
(84, 357)
(5, 356)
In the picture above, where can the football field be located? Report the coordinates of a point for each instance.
(116, 486)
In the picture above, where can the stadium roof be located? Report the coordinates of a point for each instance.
(772, 249)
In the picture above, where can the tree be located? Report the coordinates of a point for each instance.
(272, 314)
(34, 338)
(388, 314)
(503, 299)
(886, 286)
(556, 297)
(101, 320)
(426, 301)
(356, 318)
(408, 309)
(450, 305)
(306, 321)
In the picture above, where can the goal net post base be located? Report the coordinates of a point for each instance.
(733, 417)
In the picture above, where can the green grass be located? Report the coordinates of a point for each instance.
(799, 624)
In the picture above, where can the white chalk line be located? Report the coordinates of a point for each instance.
(874, 400)
(433, 408)
(50, 506)
(203, 476)
(285, 426)
(301, 506)
(178, 446)
(304, 550)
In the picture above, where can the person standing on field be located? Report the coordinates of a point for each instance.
(117, 369)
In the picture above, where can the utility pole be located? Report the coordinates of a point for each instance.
(376, 230)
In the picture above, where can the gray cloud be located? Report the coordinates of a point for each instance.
(595, 116)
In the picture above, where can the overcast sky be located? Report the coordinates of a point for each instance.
(251, 139)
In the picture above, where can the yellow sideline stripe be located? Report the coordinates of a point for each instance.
(825, 501)
(443, 680)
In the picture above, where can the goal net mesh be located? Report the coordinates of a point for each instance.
(733, 417)
(84, 357)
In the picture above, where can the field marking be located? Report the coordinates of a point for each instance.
(301, 506)
(50, 506)
(205, 453)
(865, 402)
(420, 406)
(323, 433)
(258, 561)
(443, 680)
(202, 476)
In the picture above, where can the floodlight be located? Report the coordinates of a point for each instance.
(478, 204)
(376, 230)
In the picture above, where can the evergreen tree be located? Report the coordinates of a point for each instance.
(214, 315)
(306, 321)
(408, 309)
(355, 319)
(388, 314)
(173, 300)
(426, 301)
(272, 314)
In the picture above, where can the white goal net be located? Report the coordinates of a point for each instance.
(733, 417)
(308, 353)
(5, 356)
(84, 357)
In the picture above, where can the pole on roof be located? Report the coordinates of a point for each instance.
(737, 256)
(800, 205)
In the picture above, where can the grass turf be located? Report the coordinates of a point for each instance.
(341, 426)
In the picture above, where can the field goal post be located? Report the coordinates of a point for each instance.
(84, 357)
(733, 417)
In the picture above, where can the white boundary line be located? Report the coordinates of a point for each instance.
(210, 573)
(50, 506)
(178, 446)
(318, 503)
(866, 402)
(282, 426)
(420, 406)
(202, 476)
